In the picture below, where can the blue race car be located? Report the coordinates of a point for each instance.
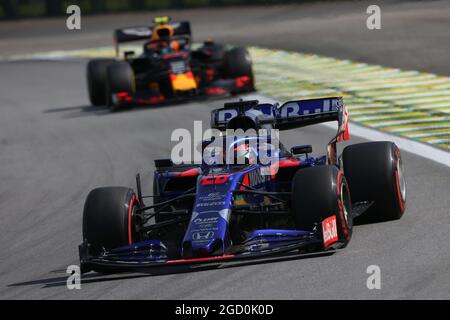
(222, 211)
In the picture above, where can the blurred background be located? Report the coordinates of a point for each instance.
(16, 9)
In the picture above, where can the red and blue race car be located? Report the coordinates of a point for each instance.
(168, 69)
(225, 210)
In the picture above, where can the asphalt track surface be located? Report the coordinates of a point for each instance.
(54, 148)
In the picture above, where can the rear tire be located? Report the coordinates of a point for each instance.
(96, 80)
(210, 53)
(319, 193)
(120, 78)
(374, 172)
(109, 219)
(238, 63)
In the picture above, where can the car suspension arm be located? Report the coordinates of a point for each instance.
(273, 195)
(161, 205)
(165, 224)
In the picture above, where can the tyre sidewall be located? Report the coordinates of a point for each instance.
(372, 171)
(120, 78)
(109, 218)
(238, 63)
(318, 193)
(96, 75)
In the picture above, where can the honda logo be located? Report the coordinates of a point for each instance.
(199, 236)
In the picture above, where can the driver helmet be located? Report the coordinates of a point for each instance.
(161, 36)
(243, 154)
(162, 31)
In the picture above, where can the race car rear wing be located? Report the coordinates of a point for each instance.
(130, 34)
(292, 114)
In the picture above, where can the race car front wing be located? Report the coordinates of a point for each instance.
(259, 245)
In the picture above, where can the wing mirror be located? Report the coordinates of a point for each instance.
(128, 54)
(163, 163)
(299, 150)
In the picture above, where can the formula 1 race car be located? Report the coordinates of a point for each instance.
(168, 69)
(228, 209)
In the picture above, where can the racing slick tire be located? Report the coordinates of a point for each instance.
(237, 64)
(96, 80)
(210, 53)
(109, 219)
(319, 193)
(374, 172)
(120, 78)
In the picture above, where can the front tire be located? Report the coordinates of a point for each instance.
(96, 80)
(109, 219)
(374, 172)
(319, 193)
(120, 79)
